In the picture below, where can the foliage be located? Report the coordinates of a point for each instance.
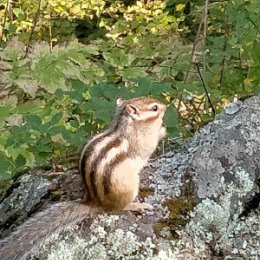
(55, 91)
(61, 109)
(58, 19)
(234, 54)
(55, 128)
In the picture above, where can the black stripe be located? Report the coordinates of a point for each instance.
(83, 174)
(102, 154)
(85, 157)
(150, 119)
(87, 154)
(92, 184)
(109, 169)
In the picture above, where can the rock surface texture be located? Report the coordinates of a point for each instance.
(206, 200)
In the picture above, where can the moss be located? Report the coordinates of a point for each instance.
(4, 186)
(180, 206)
(179, 209)
(56, 194)
(145, 192)
(166, 229)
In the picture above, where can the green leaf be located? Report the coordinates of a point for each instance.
(56, 118)
(133, 73)
(104, 109)
(56, 130)
(33, 121)
(103, 90)
(14, 52)
(16, 130)
(173, 132)
(48, 76)
(28, 107)
(118, 58)
(20, 161)
(43, 147)
(5, 111)
(157, 89)
(30, 158)
(58, 138)
(6, 168)
(147, 87)
(171, 117)
(78, 85)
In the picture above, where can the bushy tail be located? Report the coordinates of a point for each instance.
(19, 244)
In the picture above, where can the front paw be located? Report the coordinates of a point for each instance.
(162, 132)
(138, 207)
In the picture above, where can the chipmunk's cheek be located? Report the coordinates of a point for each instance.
(162, 113)
(162, 132)
(161, 121)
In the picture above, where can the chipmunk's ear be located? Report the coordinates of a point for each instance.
(119, 102)
(132, 110)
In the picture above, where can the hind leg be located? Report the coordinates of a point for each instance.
(123, 199)
(124, 186)
(123, 192)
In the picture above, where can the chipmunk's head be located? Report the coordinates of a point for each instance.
(142, 109)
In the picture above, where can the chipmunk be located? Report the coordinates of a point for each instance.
(109, 165)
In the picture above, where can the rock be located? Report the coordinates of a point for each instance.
(34, 190)
(206, 200)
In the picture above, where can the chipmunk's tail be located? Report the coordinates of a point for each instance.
(19, 244)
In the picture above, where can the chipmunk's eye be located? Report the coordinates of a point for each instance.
(154, 108)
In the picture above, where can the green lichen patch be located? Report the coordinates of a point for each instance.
(212, 222)
(100, 242)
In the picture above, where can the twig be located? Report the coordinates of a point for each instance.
(197, 109)
(179, 104)
(195, 43)
(33, 28)
(223, 62)
(4, 23)
(50, 32)
(205, 89)
(205, 23)
(257, 30)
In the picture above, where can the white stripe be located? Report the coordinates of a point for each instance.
(112, 153)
